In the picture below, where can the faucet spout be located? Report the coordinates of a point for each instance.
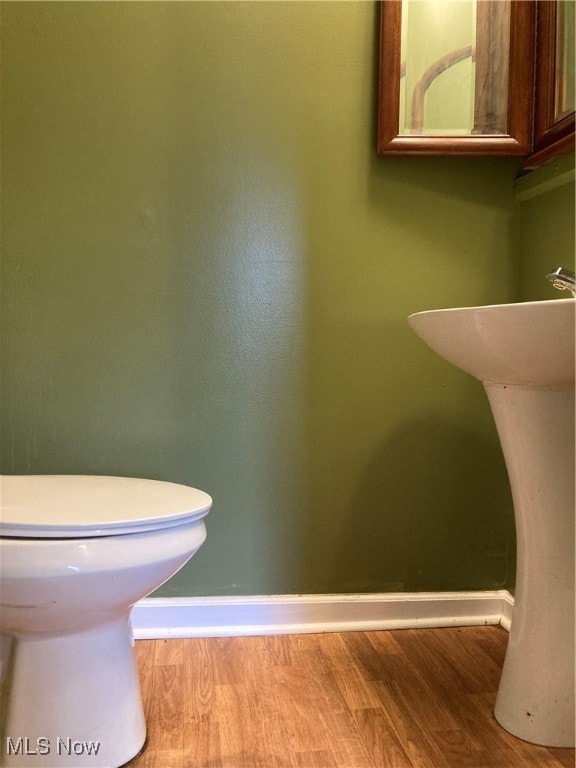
(563, 279)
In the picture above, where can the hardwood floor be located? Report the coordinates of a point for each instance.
(400, 699)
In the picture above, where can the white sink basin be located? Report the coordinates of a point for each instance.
(524, 356)
(529, 344)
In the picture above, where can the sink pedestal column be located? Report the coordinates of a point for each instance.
(536, 695)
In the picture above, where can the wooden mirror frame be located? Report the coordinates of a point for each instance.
(551, 137)
(517, 141)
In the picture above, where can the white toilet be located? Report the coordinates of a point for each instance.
(76, 553)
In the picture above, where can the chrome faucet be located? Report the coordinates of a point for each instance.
(563, 279)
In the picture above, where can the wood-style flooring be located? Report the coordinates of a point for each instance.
(398, 699)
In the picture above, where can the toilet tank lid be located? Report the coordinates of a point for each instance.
(75, 506)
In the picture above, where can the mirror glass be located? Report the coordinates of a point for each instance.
(564, 69)
(454, 67)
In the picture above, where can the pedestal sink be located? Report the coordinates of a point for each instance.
(524, 356)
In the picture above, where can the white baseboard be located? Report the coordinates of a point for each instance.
(507, 609)
(154, 618)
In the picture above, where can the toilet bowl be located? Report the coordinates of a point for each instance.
(76, 553)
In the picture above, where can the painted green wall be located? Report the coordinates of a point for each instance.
(545, 226)
(206, 278)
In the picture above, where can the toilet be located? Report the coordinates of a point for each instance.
(76, 553)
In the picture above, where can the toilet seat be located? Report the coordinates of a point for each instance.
(85, 506)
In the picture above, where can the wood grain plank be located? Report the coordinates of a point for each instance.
(380, 740)
(263, 716)
(316, 759)
(198, 679)
(298, 699)
(201, 739)
(418, 742)
(165, 716)
(346, 742)
(355, 690)
(234, 725)
(169, 652)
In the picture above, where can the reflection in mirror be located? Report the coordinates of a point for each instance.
(564, 70)
(454, 67)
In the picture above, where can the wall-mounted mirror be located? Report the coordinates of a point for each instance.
(456, 77)
(554, 102)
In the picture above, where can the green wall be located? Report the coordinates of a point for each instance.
(206, 278)
(545, 234)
